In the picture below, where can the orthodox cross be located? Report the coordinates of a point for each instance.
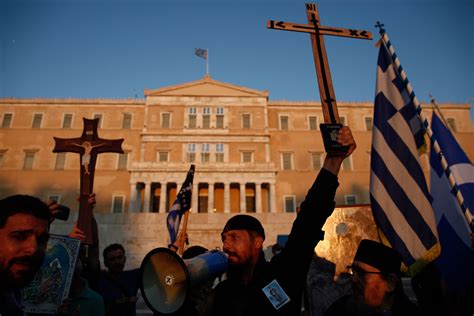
(89, 145)
(326, 91)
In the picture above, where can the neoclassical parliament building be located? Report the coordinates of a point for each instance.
(252, 155)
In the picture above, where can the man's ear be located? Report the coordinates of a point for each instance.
(258, 240)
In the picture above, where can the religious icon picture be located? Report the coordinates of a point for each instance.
(275, 294)
(51, 284)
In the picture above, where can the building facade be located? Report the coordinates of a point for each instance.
(251, 155)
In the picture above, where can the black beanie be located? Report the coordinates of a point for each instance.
(379, 256)
(244, 222)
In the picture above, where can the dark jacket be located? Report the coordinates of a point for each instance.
(290, 267)
(402, 307)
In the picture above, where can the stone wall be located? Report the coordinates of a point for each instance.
(141, 232)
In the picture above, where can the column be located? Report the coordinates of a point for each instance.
(243, 204)
(210, 198)
(133, 198)
(226, 197)
(258, 197)
(195, 198)
(163, 195)
(267, 153)
(147, 201)
(272, 208)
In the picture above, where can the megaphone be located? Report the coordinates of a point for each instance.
(165, 277)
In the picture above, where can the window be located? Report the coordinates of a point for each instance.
(205, 153)
(37, 119)
(452, 124)
(127, 121)
(369, 123)
(54, 197)
(317, 160)
(342, 120)
(117, 204)
(2, 156)
(220, 118)
(29, 160)
(165, 120)
(122, 161)
(313, 123)
(60, 161)
(287, 161)
(347, 164)
(350, 199)
(67, 121)
(290, 204)
(246, 121)
(98, 116)
(250, 203)
(191, 153)
(206, 118)
(284, 123)
(219, 152)
(163, 156)
(247, 156)
(7, 120)
(192, 117)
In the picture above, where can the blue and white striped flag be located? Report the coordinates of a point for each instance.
(180, 206)
(401, 203)
(456, 261)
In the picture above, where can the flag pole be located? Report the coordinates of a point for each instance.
(207, 62)
(182, 242)
(446, 169)
(436, 107)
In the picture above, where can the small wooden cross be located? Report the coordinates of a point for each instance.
(89, 145)
(326, 91)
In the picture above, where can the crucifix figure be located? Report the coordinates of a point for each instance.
(89, 145)
(326, 91)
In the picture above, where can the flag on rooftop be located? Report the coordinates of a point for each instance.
(401, 203)
(456, 261)
(180, 206)
(201, 52)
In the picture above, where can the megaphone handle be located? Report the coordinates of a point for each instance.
(183, 233)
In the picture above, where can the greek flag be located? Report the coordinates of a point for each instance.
(401, 203)
(180, 206)
(456, 261)
(201, 52)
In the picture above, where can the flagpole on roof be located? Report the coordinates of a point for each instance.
(207, 62)
(425, 123)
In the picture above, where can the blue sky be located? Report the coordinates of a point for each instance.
(118, 48)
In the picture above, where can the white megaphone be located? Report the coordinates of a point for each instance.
(165, 277)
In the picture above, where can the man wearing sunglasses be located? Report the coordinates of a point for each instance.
(376, 284)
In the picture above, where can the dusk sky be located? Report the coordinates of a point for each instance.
(117, 48)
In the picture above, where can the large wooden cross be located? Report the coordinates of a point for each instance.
(89, 145)
(326, 91)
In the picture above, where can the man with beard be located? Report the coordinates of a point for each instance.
(24, 233)
(376, 285)
(118, 287)
(256, 287)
